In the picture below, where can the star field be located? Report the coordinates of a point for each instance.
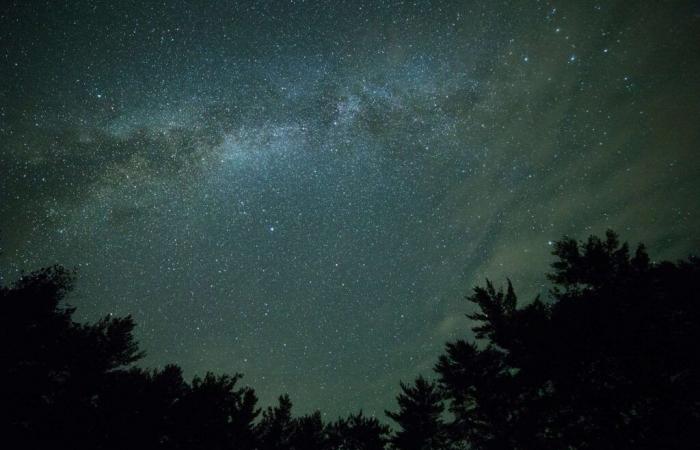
(303, 191)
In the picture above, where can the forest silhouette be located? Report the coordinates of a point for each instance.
(607, 360)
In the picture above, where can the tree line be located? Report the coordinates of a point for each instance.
(607, 360)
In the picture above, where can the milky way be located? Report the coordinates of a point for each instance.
(304, 191)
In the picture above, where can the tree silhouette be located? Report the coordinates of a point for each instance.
(357, 432)
(214, 414)
(274, 430)
(137, 408)
(54, 367)
(420, 417)
(307, 432)
(71, 385)
(607, 362)
(278, 429)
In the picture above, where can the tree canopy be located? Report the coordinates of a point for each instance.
(606, 359)
(75, 386)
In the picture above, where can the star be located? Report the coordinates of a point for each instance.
(334, 178)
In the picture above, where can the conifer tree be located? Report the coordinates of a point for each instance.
(419, 417)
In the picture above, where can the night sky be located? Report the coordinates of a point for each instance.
(304, 191)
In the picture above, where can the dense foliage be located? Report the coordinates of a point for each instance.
(73, 386)
(607, 361)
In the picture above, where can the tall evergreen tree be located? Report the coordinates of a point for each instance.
(419, 417)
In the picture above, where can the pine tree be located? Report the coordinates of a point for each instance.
(419, 417)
